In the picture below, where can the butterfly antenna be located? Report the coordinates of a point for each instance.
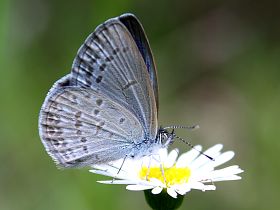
(192, 127)
(189, 144)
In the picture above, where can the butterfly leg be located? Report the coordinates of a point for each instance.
(149, 165)
(119, 168)
(162, 172)
(161, 166)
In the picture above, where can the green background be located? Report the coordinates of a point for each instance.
(218, 66)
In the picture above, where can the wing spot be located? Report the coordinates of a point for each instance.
(78, 124)
(129, 84)
(88, 73)
(79, 132)
(109, 58)
(99, 102)
(59, 132)
(102, 67)
(116, 50)
(98, 79)
(55, 142)
(96, 111)
(78, 114)
(88, 81)
(101, 124)
(122, 120)
(54, 131)
(125, 49)
(83, 139)
(85, 149)
(99, 127)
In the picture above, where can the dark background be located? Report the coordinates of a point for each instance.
(218, 66)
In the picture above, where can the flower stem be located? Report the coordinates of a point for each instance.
(163, 201)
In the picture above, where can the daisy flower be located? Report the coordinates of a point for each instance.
(170, 172)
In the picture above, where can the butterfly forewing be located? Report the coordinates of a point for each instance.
(110, 63)
(80, 127)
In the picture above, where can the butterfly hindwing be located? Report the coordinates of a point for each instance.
(79, 127)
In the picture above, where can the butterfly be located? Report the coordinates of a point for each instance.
(107, 107)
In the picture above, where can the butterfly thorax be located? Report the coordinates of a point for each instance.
(151, 146)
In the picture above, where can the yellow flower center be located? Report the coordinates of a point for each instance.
(168, 176)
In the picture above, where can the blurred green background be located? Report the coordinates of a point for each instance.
(218, 66)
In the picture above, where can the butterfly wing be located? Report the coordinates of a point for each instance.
(79, 126)
(137, 32)
(111, 63)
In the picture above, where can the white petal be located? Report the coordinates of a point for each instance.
(114, 167)
(156, 182)
(119, 182)
(186, 158)
(172, 192)
(197, 186)
(171, 158)
(224, 157)
(202, 171)
(108, 173)
(228, 171)
(138, 187)
(182, 189)
(202, 159)
(228, 178)
(162, 154)
(207, 167)
(157, 190)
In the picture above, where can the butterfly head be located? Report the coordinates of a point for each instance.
(165, 137)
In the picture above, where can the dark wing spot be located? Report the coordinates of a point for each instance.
(89, 48)
(98, 127)
(78, 124)
(55, 142)
(83, 139)
(101, 124)
(96, 111)
(88, 81)
(59, 132)
(85, 149)
(129, 84)
(102, 67)
(125, 49)
(116, 50)
(99, 102)
(78, 114)
(98, 79)
(109, 58)
(122, 120)
(79, 132)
